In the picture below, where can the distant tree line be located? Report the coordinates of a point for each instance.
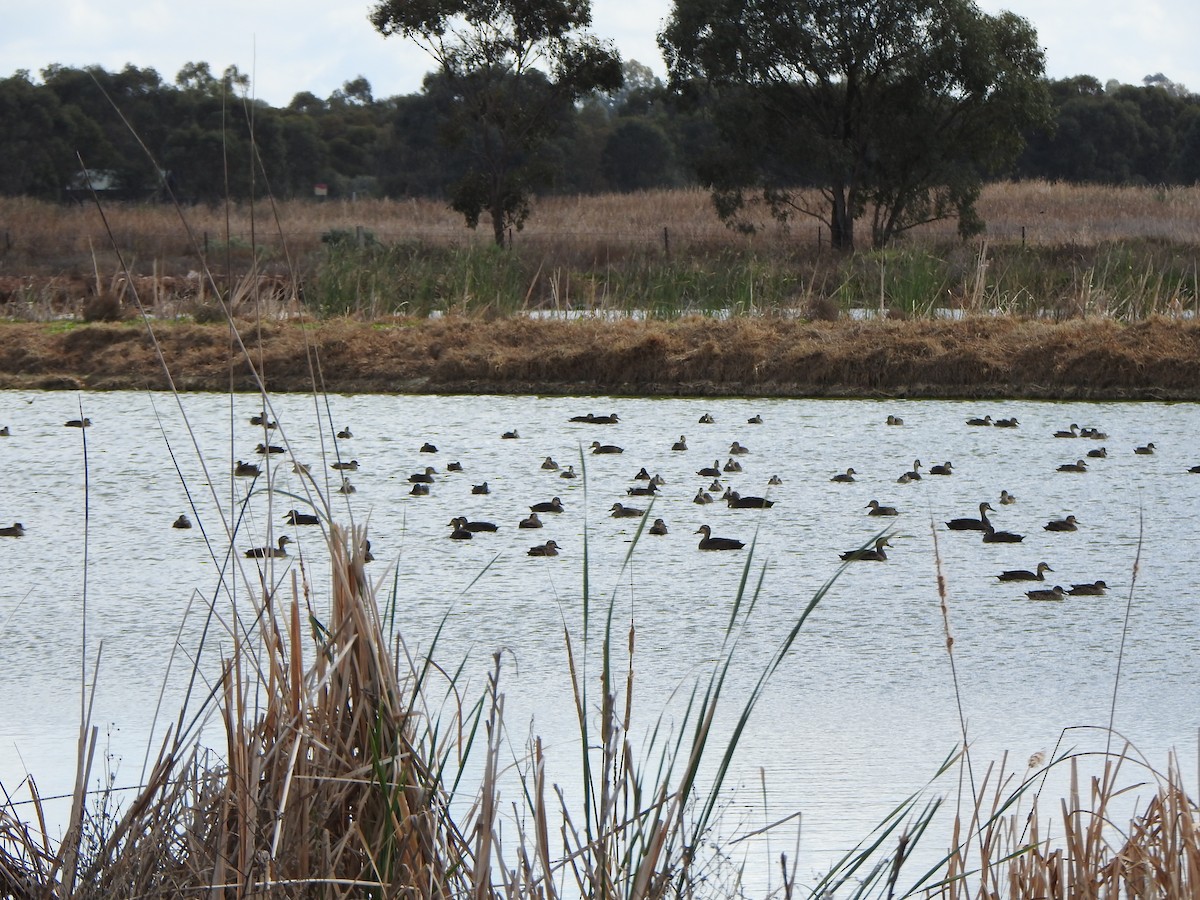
(215, 142)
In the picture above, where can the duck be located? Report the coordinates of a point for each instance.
(866, 553)
(737, 449)
(550, 465)
(969, 524)
(510, 435)
(548, 506)
(1147, 450)
(708, 542)
(428, 448)
(300, 468)
(1077, 466)
(1094, 433)
(626, 512)
(270, 552)
(246, 470)
(458, 533)
(597, 447)
(463, 522)
(1006, 423)
(1071, 432)
(345, 434)
(737, 501)
(701, 497)
(895, 420)
(367, 555)
(716, 487)
(680, 444)
(1070, 523)
(945, 468)
(182, 522)
(454, 467)
(1054, 593)
(263, 421)
(658, 480)
(481, 488)
(774, 480)
(610, 419)
(16, 529)
(732, 465)
(77, 423)
(531, 522)
(4, 432)
(642, 475)
(713, 471)
(754, 420)
(425, 477)
(1098, 453)
(1007, 499)
(264, 449)
(975, 420)
(706, 419)
(992, 536)
(648, 491)
(877, 510)
(844, 477)
(587, 418)
(1095, 589)
(547, 549)
(568, 472)
(1194, 470)
(351, 466)
(295, 517)
(420, 490)
(913, 474)
(1025, 574)
(347, 487)
(659, 527)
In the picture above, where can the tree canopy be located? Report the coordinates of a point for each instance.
(896, 107)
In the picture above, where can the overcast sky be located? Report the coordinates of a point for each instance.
(316, 45)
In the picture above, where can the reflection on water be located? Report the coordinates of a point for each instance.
(860, 714)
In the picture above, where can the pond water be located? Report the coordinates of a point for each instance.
(862, 710)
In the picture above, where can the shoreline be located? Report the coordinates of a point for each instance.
(984, 357)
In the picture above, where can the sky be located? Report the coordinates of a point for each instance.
(288, 46)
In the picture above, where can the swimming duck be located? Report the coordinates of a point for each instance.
(1077, 466)
(597, 447)
(548, 506)
(459, 533)
(246, 470)
(300, 468)
(659, 527)
(510, 435)
(1054, 593)
(774, 479)
(969, 524)
(737, 501)
(648, 491)
(844, 477)
(270, 552)
(1007, 499)
(702, 498)
(569, 472)
(367, 555)
(658, 480)
(262, 420)
(1147, 450)
(588, 418)
(531, 522)
(708, 542)
(14, 530)
(264, 449)
(295, 517)
(78, 423)
(626, 512)
(463, 522)
(182, 522)
(944, 469)
(713, 471)
(877, 510)
(992, 536)
(4, 431)
(680, 444)
(914, 474)
(345, 433)
(895, 420)
(1070, 523)
(876, 555)
(1006, 423)
(420, 490)
(642, 475)
(347, 487)
(1098, 453)
(1095, 589)
(986, 420)
(737, 449)
(1194, 470)
(1094, 433)
(1071, 432)
(351, 466)
(454, 467)
(428, 448)
(550, 465)
(547, 549)
(610, 419)
(732, 465)
(754, 420)
(481, 488)
(706, 419)
(716, 487)
(1025, 574)
(425, 477)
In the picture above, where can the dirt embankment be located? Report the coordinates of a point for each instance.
(986, 357)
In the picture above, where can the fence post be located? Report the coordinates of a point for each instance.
(666, 242)
(1022, 237)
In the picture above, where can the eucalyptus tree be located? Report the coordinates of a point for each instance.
(516, 68)
(898, 108)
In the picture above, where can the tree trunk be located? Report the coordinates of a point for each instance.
(841, 222)
(497, 212)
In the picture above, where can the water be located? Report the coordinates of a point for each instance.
(858, 716)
